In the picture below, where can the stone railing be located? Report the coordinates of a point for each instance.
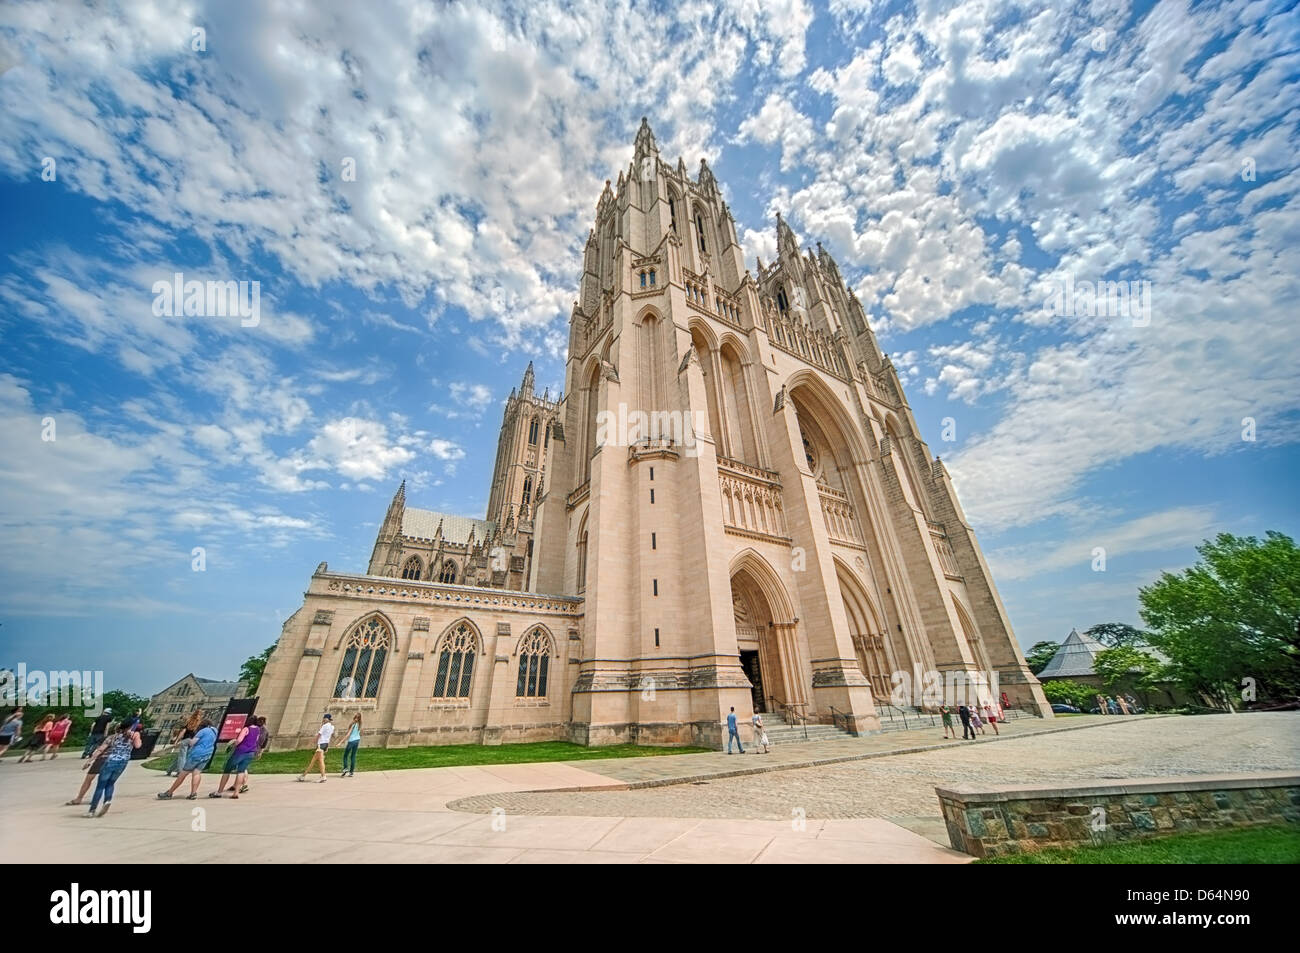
(742, 469)
(947, 558)
(839, 515)
(808, 343)
(751, 504)
(577, 496)
(1012, 820)
(373, 587)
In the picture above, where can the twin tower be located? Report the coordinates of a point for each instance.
(729, 507)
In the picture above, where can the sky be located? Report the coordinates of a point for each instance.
(411, 186)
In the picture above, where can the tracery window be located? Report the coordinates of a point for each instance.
(534, 665)
(532, 432)
(366, 650)
(412, 568)
(448, 571)
(699, 231)
(528, 491)
(456, 663)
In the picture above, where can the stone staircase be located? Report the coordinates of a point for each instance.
(892, 718)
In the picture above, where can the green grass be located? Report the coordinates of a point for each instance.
(1251, 845)
(438, 756)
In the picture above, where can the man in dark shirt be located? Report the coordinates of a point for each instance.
(97, 732)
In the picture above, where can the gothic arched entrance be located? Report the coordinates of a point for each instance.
(765, 629)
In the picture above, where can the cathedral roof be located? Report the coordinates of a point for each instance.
(423, 524)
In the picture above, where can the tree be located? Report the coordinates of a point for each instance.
(124, 704)
(1125, 669)
(252, 669)
(1065, 692)
(1232, 621)
(1040, 654)
(1114, 634)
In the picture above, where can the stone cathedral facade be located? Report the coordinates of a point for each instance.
(768, 533)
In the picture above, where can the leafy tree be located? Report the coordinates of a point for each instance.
(124, 703)
(1064, 691)
(1040, 654)
(252, 669)
(1114, 634)
(1233, 619)
(1125, 669)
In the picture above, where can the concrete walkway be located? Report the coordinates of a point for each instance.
(402, 816)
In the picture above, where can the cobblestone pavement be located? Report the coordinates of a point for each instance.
(903, 785)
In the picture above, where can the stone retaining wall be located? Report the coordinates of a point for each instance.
(1012, 820)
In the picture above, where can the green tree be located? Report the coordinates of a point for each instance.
(1039, 654)
(252, 669)
(1232, 621)
(1065, 692)
(1114, 634)
(1125, 669)
(124, 704)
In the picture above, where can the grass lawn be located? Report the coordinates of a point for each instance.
(437, 756)
(1251, 845)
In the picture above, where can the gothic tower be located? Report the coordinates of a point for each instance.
(738, 490)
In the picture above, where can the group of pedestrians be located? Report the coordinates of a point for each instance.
(973, 719)
(1116, 704)
(108, 761)
(46, 739)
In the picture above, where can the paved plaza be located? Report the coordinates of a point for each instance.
(678, 809)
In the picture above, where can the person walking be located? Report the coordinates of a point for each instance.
(992, 717)
(1123, 705)
(1102, 709)
(732, 733)
(58, 734)
(92, 773)
(37, 741)
(197, 753)
(11, 731)
(323, 735)
(350, 748)
(945, 712)
(976, 722)
(241, 756)
(964, 714)
(760, 733)
(116, 758)
(98, 730)
(263, 742)
(189, 729)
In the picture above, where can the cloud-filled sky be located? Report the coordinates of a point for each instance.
(411, 185)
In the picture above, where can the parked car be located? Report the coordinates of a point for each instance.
(1061, 709)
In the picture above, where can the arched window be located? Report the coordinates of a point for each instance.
(546, 437)
(672, 213)
(582, 554)
(528, 490)
(412, 569)
(366, 649)
(782, 304)
(456, 663)
(448, 571)
(699, 231)
(652, 277)
(643, 278)
(532, 432)
(534, 664)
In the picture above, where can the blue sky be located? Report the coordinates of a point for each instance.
(956, 159)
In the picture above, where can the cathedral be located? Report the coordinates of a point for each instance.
(729, 506)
